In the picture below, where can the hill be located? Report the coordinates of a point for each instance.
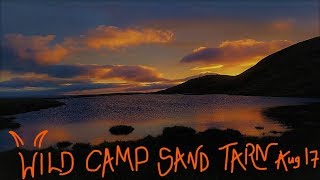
(293, 71)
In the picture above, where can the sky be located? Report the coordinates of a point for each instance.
(94, 47)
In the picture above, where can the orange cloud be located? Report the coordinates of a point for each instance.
(94, 80)
(43, 49)
(125, 73)
(206, 68)
(112, 37)
(230, 52)
(250, 49)
(37, 48)
(233, 56)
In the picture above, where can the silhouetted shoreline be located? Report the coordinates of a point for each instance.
(301, 136)
(13, 106)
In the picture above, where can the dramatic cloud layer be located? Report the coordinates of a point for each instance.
(45, 49)
(28, 72)
(42, 54)
(129, 73)
(235, 52)
(105, 47)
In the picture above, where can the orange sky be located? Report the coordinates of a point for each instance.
(121, 47)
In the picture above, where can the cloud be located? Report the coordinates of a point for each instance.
(207, 68)
(23, 87)
(235, 52)
(23, 83)
(112, 37)
(133, 73)
(43, 49)
(29, 77)
(37, 48)
(31, 86)
(38, 81)
(11, 62)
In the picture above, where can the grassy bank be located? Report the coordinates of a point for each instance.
(184, 138)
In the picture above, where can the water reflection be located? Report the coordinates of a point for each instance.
(246, 120)
(89, 119)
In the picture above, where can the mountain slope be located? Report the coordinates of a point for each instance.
(293, 71)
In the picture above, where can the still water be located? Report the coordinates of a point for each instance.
(88, 119)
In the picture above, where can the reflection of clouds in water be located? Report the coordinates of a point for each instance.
(244, 119)
(89, 119)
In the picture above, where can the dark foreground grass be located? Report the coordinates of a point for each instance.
(304, 134)
(189, 140)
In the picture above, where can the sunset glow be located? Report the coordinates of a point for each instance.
(96, 49)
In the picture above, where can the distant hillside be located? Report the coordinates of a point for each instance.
(293, 71)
